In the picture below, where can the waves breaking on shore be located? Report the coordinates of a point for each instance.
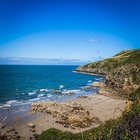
(23, 85)
(61, 94)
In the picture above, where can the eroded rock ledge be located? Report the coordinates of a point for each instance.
(69, 114)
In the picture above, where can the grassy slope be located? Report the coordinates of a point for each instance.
(122, 58)
(122, 71)
(125, 65)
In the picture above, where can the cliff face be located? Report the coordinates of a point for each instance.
(122, 71)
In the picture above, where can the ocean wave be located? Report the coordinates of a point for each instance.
(34, 99)
(31, 93)
(40, 95)
(60, 97)
(89, 84)
(86, 87)
(8, 104)
(61, 86)
(98, 79)
(65, 90)
(49, 95)
(5, 106)
(71, 91)
(44, 89)
(11, 102)
(89, 81)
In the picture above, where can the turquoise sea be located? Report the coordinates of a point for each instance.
(21, 85)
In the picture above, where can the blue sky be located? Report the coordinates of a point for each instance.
(68, 29)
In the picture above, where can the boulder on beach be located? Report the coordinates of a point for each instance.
(31, 125)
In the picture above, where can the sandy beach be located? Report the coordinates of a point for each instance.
(100, 106)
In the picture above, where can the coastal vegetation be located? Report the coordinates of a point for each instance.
(122, 81)
(122, 72)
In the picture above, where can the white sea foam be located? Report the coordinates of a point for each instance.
(89, 84)
(89, 81)
(35, 99)
(8, 104)
(61, 86)
(40, 95)
(71, 91)
(59, 96)
(49, 95)
(65, 90)
(46, 90)
(31, 93)
(11, 102)
(98, 79)
(41, 90)
(5, 106)
(86, 87)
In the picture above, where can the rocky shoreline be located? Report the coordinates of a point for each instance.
(69, 114)
(76, 115)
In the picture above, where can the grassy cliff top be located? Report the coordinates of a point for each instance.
(120, 59)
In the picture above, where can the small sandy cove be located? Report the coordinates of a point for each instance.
(99, 106)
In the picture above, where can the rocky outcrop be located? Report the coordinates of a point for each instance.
(98, 84)
(69, 114)
(122, 71)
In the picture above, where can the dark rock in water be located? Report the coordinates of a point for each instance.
(57, 91)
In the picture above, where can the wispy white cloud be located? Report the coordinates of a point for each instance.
(41, 61)
(93, 40)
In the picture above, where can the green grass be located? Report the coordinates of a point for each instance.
(97, 133)
(118, 60)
